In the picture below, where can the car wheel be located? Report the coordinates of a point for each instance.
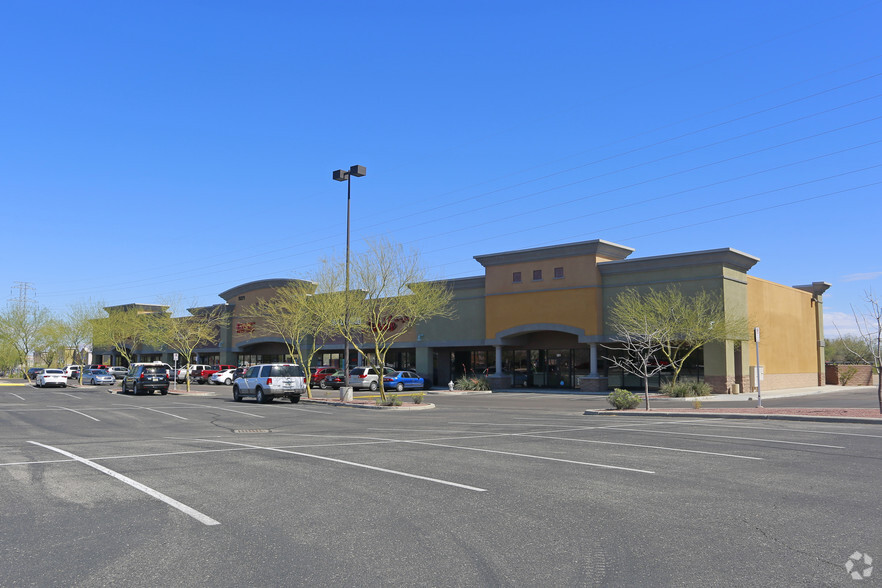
(294, 398)
(164, 392)
(400, 387)
(260, 398)
(135, 389)
(64, 385)
(373, 386)
(323, 385)
(227, 382)
(236, 397)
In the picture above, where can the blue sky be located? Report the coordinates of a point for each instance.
(201, 136)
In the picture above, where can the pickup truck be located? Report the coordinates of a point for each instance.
(202, 376)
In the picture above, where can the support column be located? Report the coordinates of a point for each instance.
(498, 371)
(498, 380)
(593, 359)
(594, 382)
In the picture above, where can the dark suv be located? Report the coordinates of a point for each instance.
(142, 379)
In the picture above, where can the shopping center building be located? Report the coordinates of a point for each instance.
(539, 318)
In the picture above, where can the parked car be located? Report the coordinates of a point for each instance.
(404, 380)
(145, 378)
(222, 377)
(202, 377)
(239, 372)
(334, 380)
(33, 372)
(183, 373)
(98, 377)
(72, 371)
(117, 371)
(51, 377)
(366, 378)
(96, 366)
(271, 380)
(318, 374)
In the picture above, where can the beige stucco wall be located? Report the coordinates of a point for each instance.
(788, 345)
(579, 308)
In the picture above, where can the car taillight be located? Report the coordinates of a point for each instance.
(269, 381)
(362, 375)
(142, 376)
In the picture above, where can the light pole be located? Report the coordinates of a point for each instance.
(340, 175)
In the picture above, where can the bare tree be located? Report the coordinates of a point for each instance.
(683, 324)
(869, 326)
(389, 295)
(642, 344)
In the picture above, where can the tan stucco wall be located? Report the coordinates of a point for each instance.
(579, 271)
(788, 331)
(578, 308)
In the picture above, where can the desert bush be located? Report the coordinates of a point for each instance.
(685, 389)
(391, 400)
(417, 397)
(472, 383)
(622, 399)
(846, 373)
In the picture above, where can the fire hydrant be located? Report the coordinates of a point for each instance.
(450, 385)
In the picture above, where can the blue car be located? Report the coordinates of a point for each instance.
(403, 380)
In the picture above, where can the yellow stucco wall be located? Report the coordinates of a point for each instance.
(578, 308)
(788, 332)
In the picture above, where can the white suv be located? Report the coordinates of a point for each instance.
(271, 380)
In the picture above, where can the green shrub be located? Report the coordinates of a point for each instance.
(685, 389)
(622, 399)
(472, 383)
(417, 397)
(846, 373)
(391, 400)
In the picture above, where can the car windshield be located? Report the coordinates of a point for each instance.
(55, 372)
(100, 372)
(286, 371)
(155, 370)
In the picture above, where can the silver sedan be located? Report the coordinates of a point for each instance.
(97, 377)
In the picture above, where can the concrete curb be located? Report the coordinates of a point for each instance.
(733, 415)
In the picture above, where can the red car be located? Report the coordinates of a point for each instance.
(203, 376)
(318, 374)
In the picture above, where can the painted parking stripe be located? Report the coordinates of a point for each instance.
(358, 465)
(546, 435)
(204, 519)
(732, 437)
(78, 412)
(723, 423)
(257, 416)
(165, 413)
(514, 454)
(17, 396)
(69, 394)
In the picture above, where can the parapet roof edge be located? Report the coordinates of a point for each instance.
(593, 247)
(257, 285)
(726, 256)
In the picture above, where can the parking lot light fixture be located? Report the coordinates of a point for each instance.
(341, 175)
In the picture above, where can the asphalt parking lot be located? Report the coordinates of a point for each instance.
(102, 489)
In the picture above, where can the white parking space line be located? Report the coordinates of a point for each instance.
(78, 412)
(69, 394)
(352, 463)
(165, 413)
(514, 454)
(547, 435)
(732, 437)
(659, 447)
(721, 423)
(257, 416)
(17, 396)
(204, 519)
(304, 409)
